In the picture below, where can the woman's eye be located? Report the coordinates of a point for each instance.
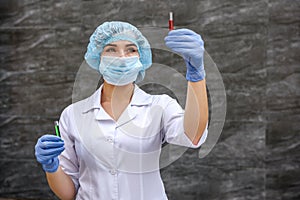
(131, 50)
(110, 50)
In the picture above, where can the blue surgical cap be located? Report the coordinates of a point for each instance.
(109, 32)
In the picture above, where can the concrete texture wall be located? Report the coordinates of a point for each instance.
(255, 45)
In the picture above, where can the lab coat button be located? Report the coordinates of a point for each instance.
(112, 171)
(109, 139)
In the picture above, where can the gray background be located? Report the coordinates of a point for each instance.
(255, 45)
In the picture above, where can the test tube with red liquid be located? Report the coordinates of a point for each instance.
(171, 24)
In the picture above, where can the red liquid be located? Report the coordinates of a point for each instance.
(171, 25)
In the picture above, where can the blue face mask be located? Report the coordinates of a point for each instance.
(120, 70)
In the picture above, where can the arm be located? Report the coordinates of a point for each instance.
(196, 111)
(61, 184)
(191, 47)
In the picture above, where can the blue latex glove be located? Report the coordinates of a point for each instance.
(47, 150)
(190, 46)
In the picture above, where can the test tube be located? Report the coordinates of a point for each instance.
(171, 24)
(56, 128)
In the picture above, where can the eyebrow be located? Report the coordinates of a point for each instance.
(127, 45)
(114, 45)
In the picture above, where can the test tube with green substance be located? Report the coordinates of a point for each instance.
(56, 128)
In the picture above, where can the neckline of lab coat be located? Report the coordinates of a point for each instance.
(139, 98)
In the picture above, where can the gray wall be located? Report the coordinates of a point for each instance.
(255, 45)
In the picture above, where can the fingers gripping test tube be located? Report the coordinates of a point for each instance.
(56, 128)
(171, 23)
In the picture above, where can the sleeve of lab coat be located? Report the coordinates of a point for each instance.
(68, 159)
(173, 125)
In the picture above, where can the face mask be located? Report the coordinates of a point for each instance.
(120, 70)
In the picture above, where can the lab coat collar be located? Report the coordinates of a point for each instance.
(139, 98)
(92, 102)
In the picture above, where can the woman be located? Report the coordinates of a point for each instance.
(110, 142)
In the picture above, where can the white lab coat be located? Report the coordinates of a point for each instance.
(109, 159)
